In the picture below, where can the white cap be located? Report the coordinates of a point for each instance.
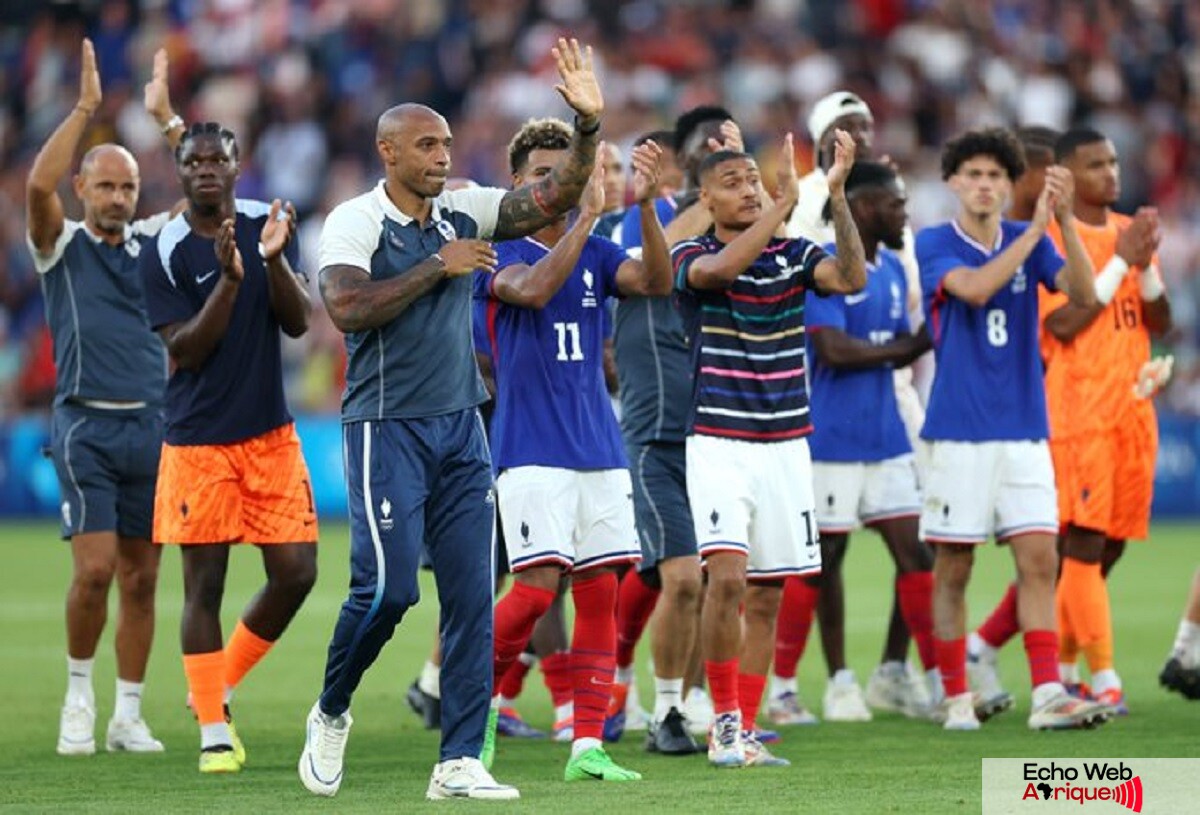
(830, 108)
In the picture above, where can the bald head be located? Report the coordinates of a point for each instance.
(414, 143)
(107, 185)
(395, 119)
(110, 157)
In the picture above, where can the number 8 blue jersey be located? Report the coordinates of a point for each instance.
(988, 384)
(552, 407)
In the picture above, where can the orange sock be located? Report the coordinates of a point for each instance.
(1086, 597)
(242, 652)
(1068, 647)
(205, 676)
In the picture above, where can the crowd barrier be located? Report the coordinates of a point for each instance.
(29, 487)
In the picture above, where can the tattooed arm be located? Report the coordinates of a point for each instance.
(525, 211)
(847, 272)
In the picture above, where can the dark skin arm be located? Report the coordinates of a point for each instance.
(289, 299)
(192, 342)
(355, 302)
(837, 349)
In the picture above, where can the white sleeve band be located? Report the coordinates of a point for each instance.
(1109, 279)
(1151, 283)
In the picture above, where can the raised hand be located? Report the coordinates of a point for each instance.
(1137, 242)
(787, 182)
(1041, 212)
(277, 232)
(1061, 184)
(228, 254)
(157, 94)
(579, 87)
(731, 138)
(465, 255)
(843, 159)
(646, 160)
(89, 80)
(591, 200)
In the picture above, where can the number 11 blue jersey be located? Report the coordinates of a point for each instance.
(552, 407)
(988, 383)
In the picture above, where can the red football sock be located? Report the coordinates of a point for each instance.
(952, 662)
(915, 591)
(1002, 625)
(514, 679)
(515, 617)
(723, 684)
(750, 693)
(635, 604)
(556, 672)
(1041, 649)
(593, 650)
(793, 624)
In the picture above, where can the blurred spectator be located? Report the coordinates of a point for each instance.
(302, 82)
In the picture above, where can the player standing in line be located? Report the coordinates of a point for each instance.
(563, 487)
(395, 277)
(221, 283)
(1002, 624)
(1103, 434)
(987, 410)
(748, 470)
(863, 467)
(655, 371)
(106, 428)
(614, 192)
(893, 685)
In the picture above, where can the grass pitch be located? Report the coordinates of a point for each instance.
(890, 765)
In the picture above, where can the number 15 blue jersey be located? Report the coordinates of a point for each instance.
(552, 407)
(988, 383)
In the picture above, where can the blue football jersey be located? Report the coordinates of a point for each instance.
(988, 384)
(552, 407)
(854, 411)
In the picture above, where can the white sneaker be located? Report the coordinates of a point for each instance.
(898, 688)
(757, 754)
(844, 702)
(466, 778)
(984, 676)
(1066, 712)
(959, 712)
(725, 745)
(636, 716)
(698, 710)
(787, 709)
(76, 730)
(324, 748)
(132, 736)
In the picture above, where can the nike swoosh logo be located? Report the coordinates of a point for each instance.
(201, 278)
(591, 774)
(854, 299)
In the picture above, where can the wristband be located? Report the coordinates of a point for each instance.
(1109, 279)
(592, 131)
(262, 251)
(1151, 283)
(438, 257)
(172, 123)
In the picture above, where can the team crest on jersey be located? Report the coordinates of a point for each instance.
(589, 295)
(1019, 283)
(133, 248)
(446, 229)
(394, 240)
(897, 304)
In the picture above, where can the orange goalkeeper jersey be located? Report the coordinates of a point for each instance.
(1089, 381)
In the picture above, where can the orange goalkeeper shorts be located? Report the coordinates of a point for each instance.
(1105, 480)
(256, 491)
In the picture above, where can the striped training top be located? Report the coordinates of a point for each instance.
(748, 342)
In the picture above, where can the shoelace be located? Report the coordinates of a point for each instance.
(727, 730)
(331, 741)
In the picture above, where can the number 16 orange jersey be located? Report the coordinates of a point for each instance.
(1089, 381)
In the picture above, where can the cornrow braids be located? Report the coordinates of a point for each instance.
(207, 129)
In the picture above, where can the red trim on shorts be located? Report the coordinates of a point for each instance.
(908, 513)
(948, 540)
(540, 561)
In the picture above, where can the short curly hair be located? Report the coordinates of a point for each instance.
(995, 142)
(538, 134)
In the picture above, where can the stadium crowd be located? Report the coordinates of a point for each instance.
(301, 82)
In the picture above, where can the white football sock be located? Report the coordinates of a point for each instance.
(668, 693)
(129, 700)
(79, 682)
